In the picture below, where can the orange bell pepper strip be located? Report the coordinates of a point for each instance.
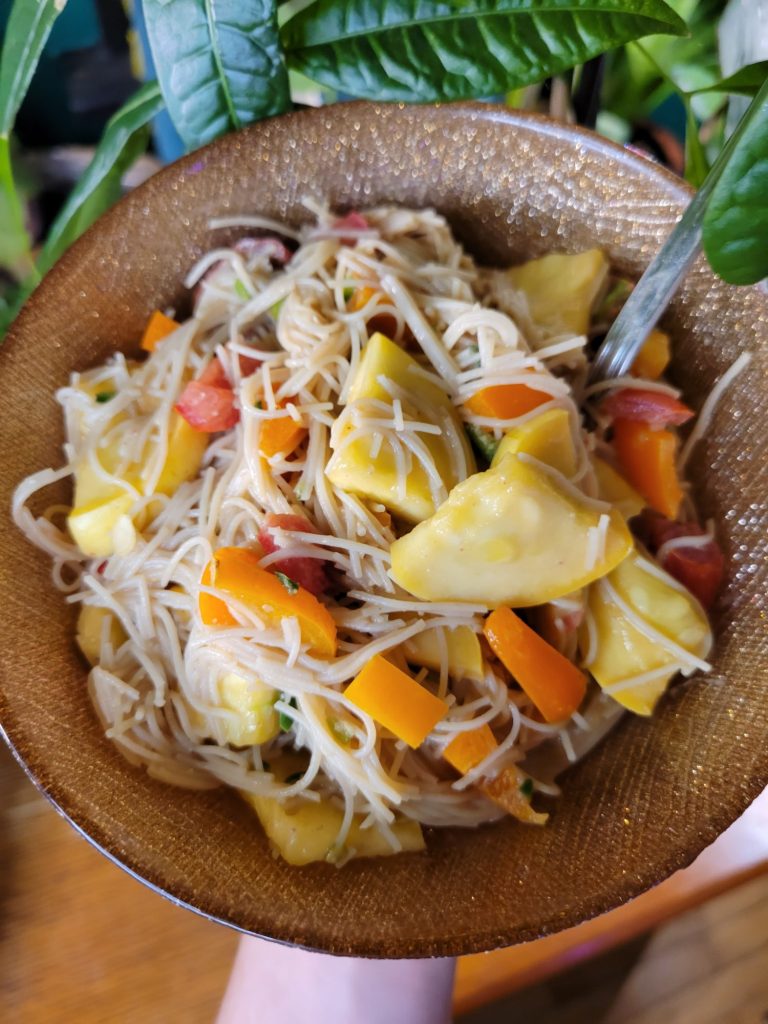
(553, 683)
(159, 326)
(648, 460)
(506, 401)
(653, 358)
(467, 749)
(511, 789)
(280, 436)
(395, 700)
(236, 571)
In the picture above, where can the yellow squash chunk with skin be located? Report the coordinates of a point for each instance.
(90, 624)
(508, 536)
(186, 448)
(622, 651)
(100, 506)
(96, 527)
(375, 476)
(561, 289)
(613, 488)
(462, 649)
(303, 831)
(253, 701)
(547, 437)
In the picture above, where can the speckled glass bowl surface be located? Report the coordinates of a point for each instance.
(654, 793)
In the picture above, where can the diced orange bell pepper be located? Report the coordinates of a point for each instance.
(653, 358)
(360, 298)
(236, 571)
(396, 701)
(159, 326)
(468, 749)
(648, 460)
(553, 683)
(280, 436)
(506, 401)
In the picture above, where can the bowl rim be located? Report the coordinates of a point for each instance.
(625, 887)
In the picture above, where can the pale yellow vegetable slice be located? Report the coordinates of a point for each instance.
(96, 520)
(512, 535)
(613, 488)
(90, 624)
(95, 526)
(561, 289)
(547, 437)
(256, 720)
(462, 649)
(304, 831)
(368, 466)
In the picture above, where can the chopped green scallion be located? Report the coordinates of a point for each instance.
(290, 585)
(484, 443)
(105, 396)
(526, 788)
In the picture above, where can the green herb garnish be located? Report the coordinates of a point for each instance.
(105, 396)
(290, 585)
(484, 443)
(526, 788)
(348, 292)
(259, 404)
(241, 290)
(286, 721)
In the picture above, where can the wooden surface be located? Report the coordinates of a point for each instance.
(82, 941)
(707, 966)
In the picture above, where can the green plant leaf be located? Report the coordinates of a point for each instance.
(125, 138)
(736, 222)
(745, 82)
(219, 64)
(29, 25)
(696, 164)
(14, 241)
(445, 50)
(28, 28)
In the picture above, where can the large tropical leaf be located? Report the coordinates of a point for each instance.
(218, 62)
(444, 49)
(125, 138)
(736, 222)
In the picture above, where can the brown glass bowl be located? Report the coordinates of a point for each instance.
(654, 793)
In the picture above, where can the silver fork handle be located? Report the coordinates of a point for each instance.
(652, 294)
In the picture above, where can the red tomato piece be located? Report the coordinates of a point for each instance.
(208, 407)
(309, 573)
(355, 222)
(214, 375)
(268, 245)
(655, 408)
(698, 567)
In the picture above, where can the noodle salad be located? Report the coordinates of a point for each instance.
(358, 539)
